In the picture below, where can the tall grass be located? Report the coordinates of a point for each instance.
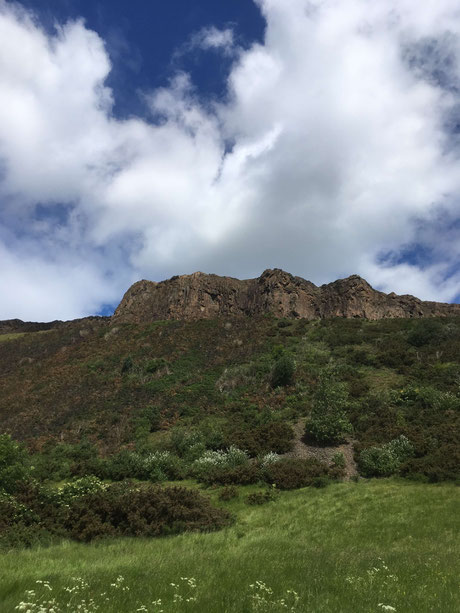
(352, 547)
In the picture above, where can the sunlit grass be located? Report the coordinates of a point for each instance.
(10, 337)
(324, 544)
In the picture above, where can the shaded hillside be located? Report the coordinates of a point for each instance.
(138, 384)
(203, 296)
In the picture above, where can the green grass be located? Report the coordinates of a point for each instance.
(10, 337)
(308, 540)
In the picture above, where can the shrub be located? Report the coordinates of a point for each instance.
(224, 467)
(156, 365)
(328, 422)
(258, 498)
(273, 436)
(14, 463)
(338, 460)
(229, 493)
(268, 459)
(122, 510)
(424, 332)
(246, 474)
(385, 460)
(289, 474)
(283, 371)
(75, 489)
(155, 466)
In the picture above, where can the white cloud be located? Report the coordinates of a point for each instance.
(329, 150)
(213, 38)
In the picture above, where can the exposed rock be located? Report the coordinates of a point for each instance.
(203, 296)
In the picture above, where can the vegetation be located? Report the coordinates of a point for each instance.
(349, 547)
(177, 428)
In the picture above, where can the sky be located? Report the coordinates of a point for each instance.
(148, 139)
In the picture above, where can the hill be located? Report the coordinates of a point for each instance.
(211, 382)
(203, 296)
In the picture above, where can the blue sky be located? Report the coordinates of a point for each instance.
(149, 139)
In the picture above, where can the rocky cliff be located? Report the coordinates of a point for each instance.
(201, 296)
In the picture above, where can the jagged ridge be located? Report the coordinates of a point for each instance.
(202, 296)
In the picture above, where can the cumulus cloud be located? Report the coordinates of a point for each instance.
(335, 145)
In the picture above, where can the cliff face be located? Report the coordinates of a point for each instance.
(202, 296)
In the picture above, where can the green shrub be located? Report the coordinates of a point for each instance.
(245, 474)
(338, 460)
(14, 464)
(293, 473)
(385, 460)
(122, 510)
(115, 510)
(328, 421)
(258, 498)
(229, 492)
(283, 371)
(273, 436)
(156, 365)
(424, 332)
(220, 466)
(155, 466)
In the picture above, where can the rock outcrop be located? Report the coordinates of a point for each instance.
(203, 296)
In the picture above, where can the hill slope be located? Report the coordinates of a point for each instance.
(144, 384)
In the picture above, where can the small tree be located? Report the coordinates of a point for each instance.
(283, 371)
(328, 422)
(14, 463)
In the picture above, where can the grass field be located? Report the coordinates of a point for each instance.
(352, 547)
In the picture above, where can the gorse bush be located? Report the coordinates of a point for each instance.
(84, 511)
(385, 460)
(292, 473)
(124, 510)
(273, 436)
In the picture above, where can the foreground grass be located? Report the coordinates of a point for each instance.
(352, 547)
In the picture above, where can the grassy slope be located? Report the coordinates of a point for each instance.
(309, 540)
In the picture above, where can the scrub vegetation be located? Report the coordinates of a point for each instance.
(258, 449)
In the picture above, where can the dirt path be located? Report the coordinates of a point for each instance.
(324, 454)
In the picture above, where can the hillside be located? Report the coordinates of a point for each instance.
(138, 385)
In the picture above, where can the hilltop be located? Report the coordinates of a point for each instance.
(204, 296)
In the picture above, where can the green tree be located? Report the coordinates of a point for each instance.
(283, 371)
(14, 463)
(328, 421)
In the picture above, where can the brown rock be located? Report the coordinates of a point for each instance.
(202, 296)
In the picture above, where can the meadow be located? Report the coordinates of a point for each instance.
(366, 546)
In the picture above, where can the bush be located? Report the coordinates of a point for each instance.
(328, 422)
(283, 371)
(273, 436)
(224, 467)
(338, 460)
(385, 460)
(424, 332)
(14, 464)
(258, 498)
(155, 466)
(228, 493)
(122, 510)
(115, 510)
(289, 474)
(246, 474)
